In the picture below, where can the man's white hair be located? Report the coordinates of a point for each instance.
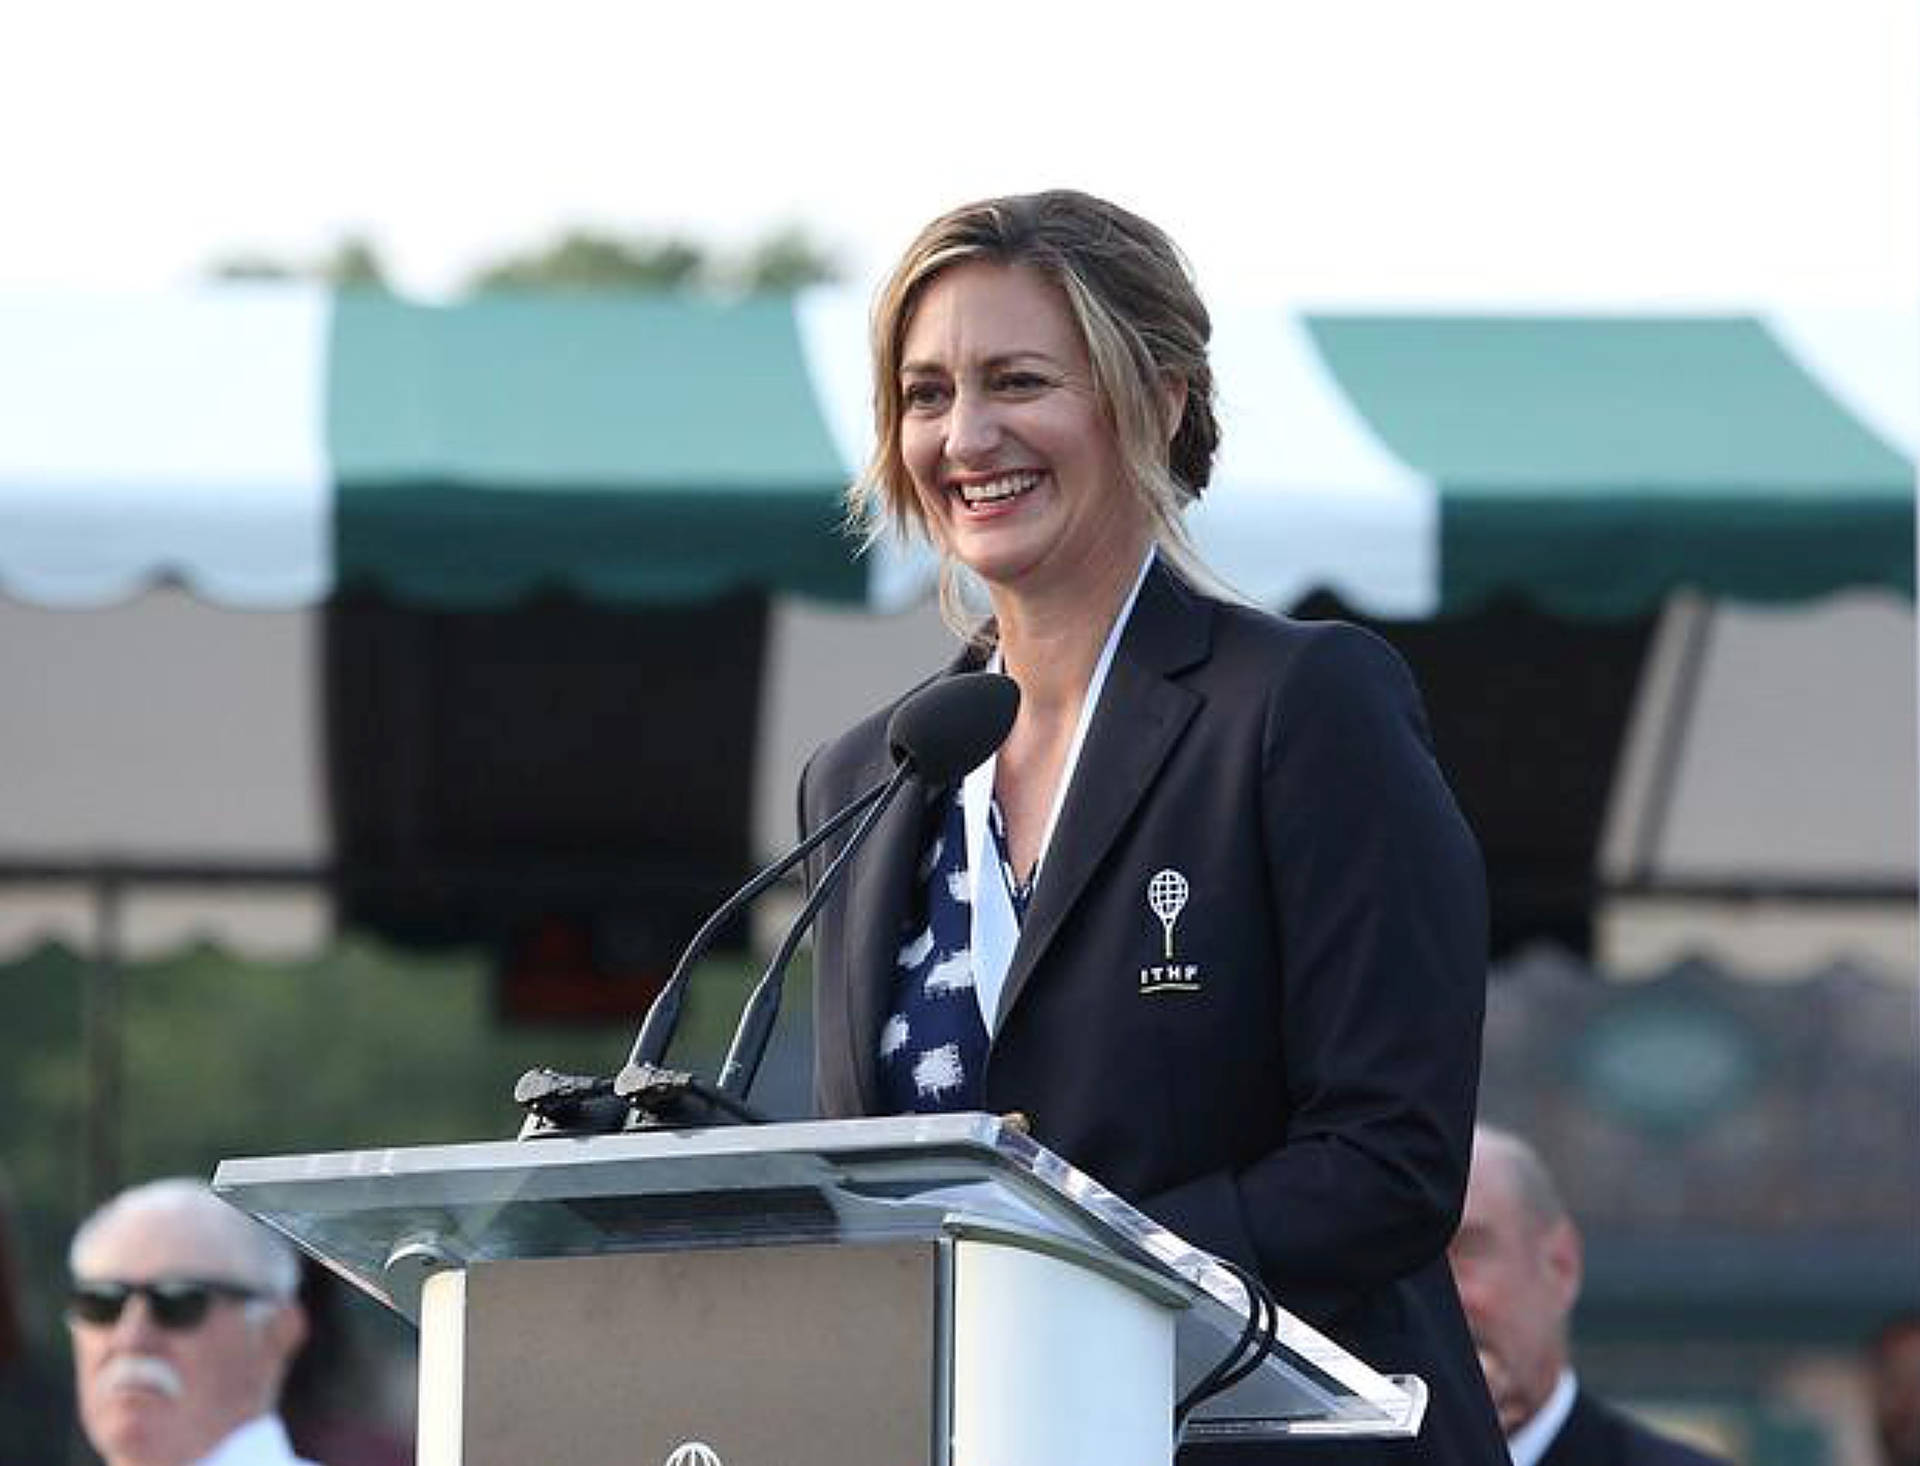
(261, 1258)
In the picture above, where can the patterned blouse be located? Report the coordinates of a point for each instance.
(933, 1046)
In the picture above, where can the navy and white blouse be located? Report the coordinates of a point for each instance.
(933, 1045)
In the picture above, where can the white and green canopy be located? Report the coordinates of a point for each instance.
(269, 445)
(272, 450)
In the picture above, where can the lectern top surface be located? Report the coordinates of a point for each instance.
(385, 1219)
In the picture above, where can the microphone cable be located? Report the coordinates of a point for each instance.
(1258, 1339)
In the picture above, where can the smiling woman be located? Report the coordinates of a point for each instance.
(1038, 328)
(1004, 438)
(1214, 854)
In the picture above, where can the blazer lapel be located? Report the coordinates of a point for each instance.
(1140, 716)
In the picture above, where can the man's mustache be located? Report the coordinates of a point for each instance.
(142, 1372)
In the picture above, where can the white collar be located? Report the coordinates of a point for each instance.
(262, 1441)
(1529, 1443)
(995, 931)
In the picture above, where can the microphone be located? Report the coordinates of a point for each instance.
(947, 728)
(938, 733)
(941, 734)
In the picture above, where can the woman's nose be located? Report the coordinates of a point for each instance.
(973, 428)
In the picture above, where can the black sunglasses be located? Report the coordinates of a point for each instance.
(174, 1303)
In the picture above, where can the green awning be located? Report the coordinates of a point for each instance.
(628, 449)
(1593, 465)
(269, 445)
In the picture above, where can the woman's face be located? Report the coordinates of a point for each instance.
(1003, 435)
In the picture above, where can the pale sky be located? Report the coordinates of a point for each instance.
(1484, 152)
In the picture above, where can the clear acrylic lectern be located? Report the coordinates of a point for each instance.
(862, 1293)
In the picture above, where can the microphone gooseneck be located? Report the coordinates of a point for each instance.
(940, 734)
(937, 734)
(663, 1016)
(762, 1008)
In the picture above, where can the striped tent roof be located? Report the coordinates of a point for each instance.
(266, 445)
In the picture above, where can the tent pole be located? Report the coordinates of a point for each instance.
(1677, 670)
(104, 1044)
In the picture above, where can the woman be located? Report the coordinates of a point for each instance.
(1210, 919)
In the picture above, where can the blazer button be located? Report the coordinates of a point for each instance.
(1017, 1120)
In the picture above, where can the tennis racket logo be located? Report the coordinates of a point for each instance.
(1166, 898)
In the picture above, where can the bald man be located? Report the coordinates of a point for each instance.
(1893, 1360)
(1517, 1262)
(184, 1323)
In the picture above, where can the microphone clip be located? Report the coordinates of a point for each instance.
(568, 1104)
(642, 1097)
(660, 1097)
(649, 1086)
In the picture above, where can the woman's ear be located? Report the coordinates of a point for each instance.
(1173, 400)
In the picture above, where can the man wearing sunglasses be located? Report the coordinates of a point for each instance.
(184, 1323)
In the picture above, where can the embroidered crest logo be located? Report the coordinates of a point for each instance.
(1167, 897)
(1167, 894)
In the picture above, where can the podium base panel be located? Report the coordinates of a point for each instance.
(789, 1356)
(948, 1353)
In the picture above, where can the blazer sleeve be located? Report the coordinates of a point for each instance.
(1378, 894)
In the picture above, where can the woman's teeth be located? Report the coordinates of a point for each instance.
(1008, 486)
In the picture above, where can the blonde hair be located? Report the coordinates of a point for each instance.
(1144, 325)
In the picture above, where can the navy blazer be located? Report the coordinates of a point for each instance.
(1595, 1434)
(1293, 1087)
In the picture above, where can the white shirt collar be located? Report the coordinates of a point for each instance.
(262, 1441)
(1529, 1443)
(994, 930)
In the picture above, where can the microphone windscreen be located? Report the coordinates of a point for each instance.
(948, 728)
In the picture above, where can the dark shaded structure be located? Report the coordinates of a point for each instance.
(568, 783)
(1744, 1159)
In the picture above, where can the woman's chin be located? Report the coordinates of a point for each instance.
(997, 551)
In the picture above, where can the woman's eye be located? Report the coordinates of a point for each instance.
(1020, 382)
(921, 396)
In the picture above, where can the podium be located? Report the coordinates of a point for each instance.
(883, 1292)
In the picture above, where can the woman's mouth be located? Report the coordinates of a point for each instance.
(1000, 490)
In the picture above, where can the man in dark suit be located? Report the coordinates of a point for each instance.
(1517, 1262)
(1893, 1362)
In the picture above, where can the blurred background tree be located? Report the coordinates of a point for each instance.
(581, 259)
(787, 259)
(584, 259)
(784, 259)
(353, 263)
